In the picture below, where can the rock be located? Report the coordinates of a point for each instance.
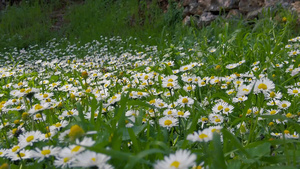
(192, 9)
(205, 19)
(296, 8)
(250, 5)
(217, 5)
(234, 13)
(254, 14)
(187, 2)
(196, 9)
(187, 21)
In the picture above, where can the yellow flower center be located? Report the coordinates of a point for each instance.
(38, 107)
(220, 107)
(262, 86)
(217, 120)
(66, 159)
(284, 105)
(289, 115)
(57, 125)
(76, 149)
(204, 119)
(295, 91)
(45, 95)
(45, 152)
(152, 101)
(70, 113)
(114, 97)
(22, 90)
(189, 88)
(21, 155)
(180, 113)
(246, 90)
(75, 132)
(14, 130)
(175, 164)
(170, 85)
(168, 122)
(29, 138)
(15, 148)
(227, 109)
(38, 115)
(93, 159)
(202, 136)
(272, 94)
(169, 112)
(47, 135)
(185, 100)
(186, 68)
(273, 112)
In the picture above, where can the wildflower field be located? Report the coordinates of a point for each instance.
(226, 98)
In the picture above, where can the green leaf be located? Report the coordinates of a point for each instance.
(234, 164)
(228, 135)
(139, 158)
(80, 112)
(218, 155)
(135, 129)
(260, 150)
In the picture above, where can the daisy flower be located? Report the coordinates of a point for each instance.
(182, 101)
(244, 90)
(86, 141)
(294, 91)
(185, 68)
(168, 121)
(38, 107)
(23, 154)
(232, 66)
(201, 136)
(272, 112)
(183, 114)
(228, 109)
(219, 107)
(169, 112)
(182, 159)
(46, 152)
(276, 134)
(272, 95)
(284, 104)
(89, 159)
(263, 85)
(114, 99)
(215, 118)
(29, 138)
(189, 88)
(239, 99)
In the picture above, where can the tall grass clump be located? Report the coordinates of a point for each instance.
(24, 24)
(223, 96)
(124, 18)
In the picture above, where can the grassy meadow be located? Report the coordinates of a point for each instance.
(124, 90)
